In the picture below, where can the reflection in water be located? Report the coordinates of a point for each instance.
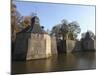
(75, 61)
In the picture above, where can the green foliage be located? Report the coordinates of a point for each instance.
(66, 30)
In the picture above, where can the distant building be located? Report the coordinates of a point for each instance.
(88, 43)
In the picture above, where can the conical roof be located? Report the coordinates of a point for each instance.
(88, 36)
(35, 26)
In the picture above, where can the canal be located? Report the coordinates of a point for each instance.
(61, 62)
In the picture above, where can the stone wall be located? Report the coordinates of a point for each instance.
(77, 46)
(20, 46)
(89, 44)
(70, 45)
(39, 46)
(53, 45)
(74, 46)
(35, 46)
(48, 45)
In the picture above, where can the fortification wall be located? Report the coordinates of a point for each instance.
(70, 45)
(39, 46)
(48, 45)
(89, 44)
(43, 46)
(53, 45)
(77, 46)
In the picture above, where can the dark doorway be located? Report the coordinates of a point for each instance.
(61, 46)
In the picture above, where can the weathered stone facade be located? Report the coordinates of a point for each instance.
(20, 46)
(39, 46)
(70, 44)
(32, 42)
(36, 46)
(77, 46)
(53, 45)
(88, 44)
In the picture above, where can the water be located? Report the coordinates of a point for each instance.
(63, 62)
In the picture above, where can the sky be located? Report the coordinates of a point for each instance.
(51, 14)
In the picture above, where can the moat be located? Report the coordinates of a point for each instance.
(61, 62)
